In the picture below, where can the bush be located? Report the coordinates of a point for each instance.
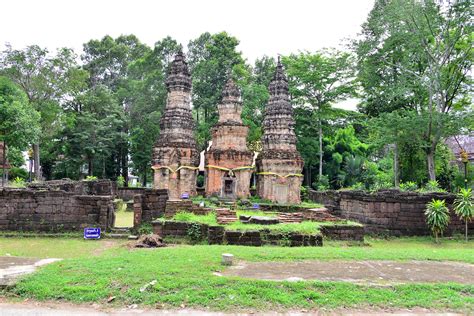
(18, 183)
(120, 181)
(304, 193)
(464, 206)
(432, 186)
(409, 186)
(357, 186)
(322, 184)
(145, 229)
(91, 178)
(437, 216)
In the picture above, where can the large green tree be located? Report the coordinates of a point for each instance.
(19, 121)
(317, 81)
(48, 81)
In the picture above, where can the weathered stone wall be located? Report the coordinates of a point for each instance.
(216, 235)
(343, 232)
(53, 210)
(150, 204)
(93, 187)
(127, 194)
(391, 211)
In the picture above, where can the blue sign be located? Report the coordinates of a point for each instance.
(185, 196)
(92, 233)
(255, 206)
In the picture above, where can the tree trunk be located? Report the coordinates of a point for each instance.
(431, 165)
(436, 237)
(320, 132)
(144, 177)
(465, 223)
(306, 171)
(125, 164)
(37, 163)
(89, 164)
(396, 166)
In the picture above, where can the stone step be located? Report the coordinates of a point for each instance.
(116, 236)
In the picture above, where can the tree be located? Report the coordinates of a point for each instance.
(398, 128)
(437, 216)
(319, 80)
(416, 56)
(464, 206)
(109, 61)
(47, 81)
(19, 122)
(212, 58)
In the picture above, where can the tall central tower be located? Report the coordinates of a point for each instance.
(228, 161)
(279, 165)
(175, 155)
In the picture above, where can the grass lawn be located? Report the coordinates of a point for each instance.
(124, 219)
(184, 276)
(305, 227)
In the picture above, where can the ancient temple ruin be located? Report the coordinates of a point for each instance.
(175, 156)
(279, 165)
(228, 161)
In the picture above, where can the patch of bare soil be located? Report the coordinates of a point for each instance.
(54, 308)
(105, 245)
(381, 272)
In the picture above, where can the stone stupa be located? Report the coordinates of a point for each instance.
(229, 161)
(175, 156)
(279, 165)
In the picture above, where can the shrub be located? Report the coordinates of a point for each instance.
(91, 178)
(194, 232)
(304, 193)
(464, 206)
(120, 181)
(409, 186)
(437, 216)
(145, 229)
(432, 186)
(18, 183)
(357, 186)
(322, 184)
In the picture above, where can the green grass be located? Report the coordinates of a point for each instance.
(184, 276)
(123, 219)
(305, 227)
(44, 247)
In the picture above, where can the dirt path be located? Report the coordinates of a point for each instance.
(366, 272)
(32, 308)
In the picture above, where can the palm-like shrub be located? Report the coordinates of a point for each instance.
(464, 206)
(437, 216)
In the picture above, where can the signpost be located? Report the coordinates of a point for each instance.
(92, 233)
(185, 196)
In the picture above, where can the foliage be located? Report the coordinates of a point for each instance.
(194, 232)
(464, 207)
(145, 229)
(91, 178)
(409, 186)
(120, 181)
(432, 186)
(437, 216)
(322, 184)
(18, 183)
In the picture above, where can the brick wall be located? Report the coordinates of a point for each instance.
(148, 205)
(53, 210)
(392, 212)
(127, 194)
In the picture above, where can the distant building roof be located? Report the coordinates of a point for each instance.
(466, 142)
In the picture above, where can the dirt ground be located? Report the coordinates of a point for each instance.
(362, 272)
(34, 308)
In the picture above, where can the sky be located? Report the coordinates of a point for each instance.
(264, 27)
